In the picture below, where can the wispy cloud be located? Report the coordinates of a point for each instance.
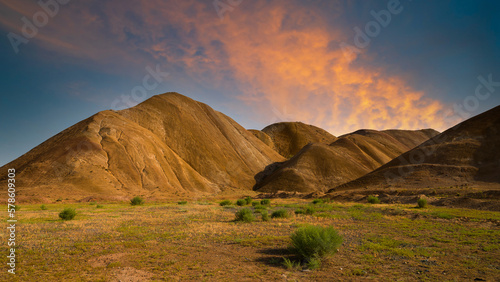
(275, 54)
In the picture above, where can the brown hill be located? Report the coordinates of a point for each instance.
(169, 144)
(263, 137)
(318, 167)
(290, 137)
(467, 153)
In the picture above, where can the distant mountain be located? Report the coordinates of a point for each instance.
(319, 167)
(290, 137)
(466, 153)
(169, 144)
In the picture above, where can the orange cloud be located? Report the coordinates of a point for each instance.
(277, 54)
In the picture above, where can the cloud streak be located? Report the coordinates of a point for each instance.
(274, 55)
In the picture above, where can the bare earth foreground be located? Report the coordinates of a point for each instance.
(199, 241)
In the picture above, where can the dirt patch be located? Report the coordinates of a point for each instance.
(104, 261)
(130, 274)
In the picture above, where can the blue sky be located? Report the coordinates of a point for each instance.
(257, 61)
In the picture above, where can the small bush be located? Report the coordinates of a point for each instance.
(225, 203)
(373, 200)
(99, 206)
(92, 203)
(244, 215)
(182, 202)
(265, 216)
(281, 213)
(310, 210)
(313, 263)
(290, 264)
(255, 204)
(241, 202)
(67, 214)
(300, 211)
(248, 200)
(318, 201)
(265, 202)
(315, 242)
(137, 201)
(422, 203)
(43, 207)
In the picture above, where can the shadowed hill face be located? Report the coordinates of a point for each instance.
(290, 137)
(319, 167)
(167, 145)
(263, 137)
(462, 154)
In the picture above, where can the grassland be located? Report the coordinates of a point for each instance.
(200, 241)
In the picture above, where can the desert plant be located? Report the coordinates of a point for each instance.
(255, 204)
(241, 202)
(265, 216)
(248, 200)
(225, 203)
(313, 263)
(182, 202)
(373, 200)
(43, 207)
(265, 202)
(136, 201)
(67, 214)
(318, 201)
(422, 203)
(244, 215)
(99, 206)
(290, 264)
(281, 213)
(315, 242)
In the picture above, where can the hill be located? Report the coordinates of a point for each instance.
(467, 153)
(318, 167)
(167, 145)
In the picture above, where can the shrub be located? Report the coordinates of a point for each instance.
(281, 213)
(422, 203)
(182, 202)
(255, 204)
(99, 206)
(290, 264)
(244, 215)
(373, 200)
(300, 211)
(67, 214)
(248, 200)
(265, 216)
(43, 207)
(241, 202)
(265, 202)
(136, 201)
(310, 210)
(315, 242)
(225, 203)
(317, 201)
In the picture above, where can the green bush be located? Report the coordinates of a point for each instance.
(137, 201)
(290, 264)
(225, 203)
(43, 207)
(373, 200)
(265, 216)
(182, 202)
(241, 202)
(265, 202)
(99, 206)
(255, 204)
(310, 210)
(422, 203)
(67, 214)
(318, 201)
(281, 213)
(248, 200)
(244, 215)
(300, 211)
(315, 242)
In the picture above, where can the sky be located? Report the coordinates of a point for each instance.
(339, 65)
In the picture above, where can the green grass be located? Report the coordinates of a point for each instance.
(67, 214)
(281, 213)
(244, 215)
(225, 203)
(318, 201)
(136, 201)
(315, 242)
